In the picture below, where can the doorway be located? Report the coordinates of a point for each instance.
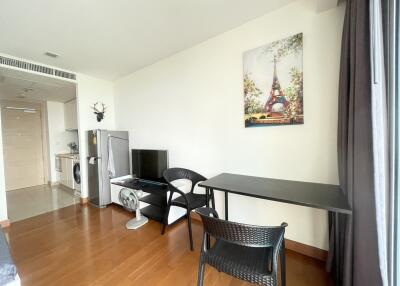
(22, 144)
(39, 132)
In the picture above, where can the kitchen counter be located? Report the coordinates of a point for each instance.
(64, 165)
(68, 155)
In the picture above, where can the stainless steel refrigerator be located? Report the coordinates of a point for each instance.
(108, 157)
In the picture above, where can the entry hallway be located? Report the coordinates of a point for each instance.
(83, 245)
(28, 202)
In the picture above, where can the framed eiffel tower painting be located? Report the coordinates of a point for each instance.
(273, 83)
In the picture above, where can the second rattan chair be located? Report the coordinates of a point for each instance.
(190, 201)
(247, 252)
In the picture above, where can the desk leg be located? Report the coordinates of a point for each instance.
(226, 205)
(212, 198)
(208, 193)
(337, 251)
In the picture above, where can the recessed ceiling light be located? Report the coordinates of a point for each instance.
(51, 55)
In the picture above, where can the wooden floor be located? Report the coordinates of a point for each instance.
(88, 246)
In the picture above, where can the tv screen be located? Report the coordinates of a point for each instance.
(149, 164)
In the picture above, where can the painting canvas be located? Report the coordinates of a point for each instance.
(273, 83)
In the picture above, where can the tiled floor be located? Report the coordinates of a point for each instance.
(32, 201)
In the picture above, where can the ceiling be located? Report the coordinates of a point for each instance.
(28, 86)
(110, 39)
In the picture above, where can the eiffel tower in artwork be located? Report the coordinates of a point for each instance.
(276, 102)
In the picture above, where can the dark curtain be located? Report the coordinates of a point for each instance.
(354, 252)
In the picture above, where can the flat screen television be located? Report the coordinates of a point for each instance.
(149, 164)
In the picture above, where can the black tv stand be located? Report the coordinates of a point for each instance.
(156, 198)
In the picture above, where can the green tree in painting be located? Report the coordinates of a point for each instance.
(251, 96)
(287, 46)
(294, 94)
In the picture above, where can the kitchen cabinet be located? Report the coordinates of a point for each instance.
(66, 176)
(70, 115)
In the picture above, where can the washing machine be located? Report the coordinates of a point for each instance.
(76, 173)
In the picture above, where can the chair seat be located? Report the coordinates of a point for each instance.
(195, 201)
(246, 263)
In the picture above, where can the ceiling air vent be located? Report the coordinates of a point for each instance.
(36, 68)
(64, 74)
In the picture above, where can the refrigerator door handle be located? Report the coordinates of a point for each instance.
(93, 160)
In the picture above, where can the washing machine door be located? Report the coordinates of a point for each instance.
(77, 172)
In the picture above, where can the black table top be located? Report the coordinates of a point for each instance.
(315, 195)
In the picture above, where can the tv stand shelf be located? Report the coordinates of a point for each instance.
(154, 213)
(156, 198)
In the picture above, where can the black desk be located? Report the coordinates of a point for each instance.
(321, 196)
(314, 195)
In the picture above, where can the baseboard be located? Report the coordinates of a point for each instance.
(295, 246)
(5, 223)
(306, 250)
(53, 184)
(84, 201)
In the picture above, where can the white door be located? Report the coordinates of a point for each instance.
(22, 145)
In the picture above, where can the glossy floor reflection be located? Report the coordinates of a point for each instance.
(32, 201)
(79, 245)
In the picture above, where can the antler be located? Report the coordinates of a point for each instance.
(95, 108)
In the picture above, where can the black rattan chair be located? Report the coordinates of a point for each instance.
(189, 201)
(247, 252)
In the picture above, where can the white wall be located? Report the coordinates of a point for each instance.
(89, 91)
(192, 104)
(58, 137)
(3, 202)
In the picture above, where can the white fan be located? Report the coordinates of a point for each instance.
(130, 200)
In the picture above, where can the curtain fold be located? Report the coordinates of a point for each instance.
(357, 242)
(380, 135)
